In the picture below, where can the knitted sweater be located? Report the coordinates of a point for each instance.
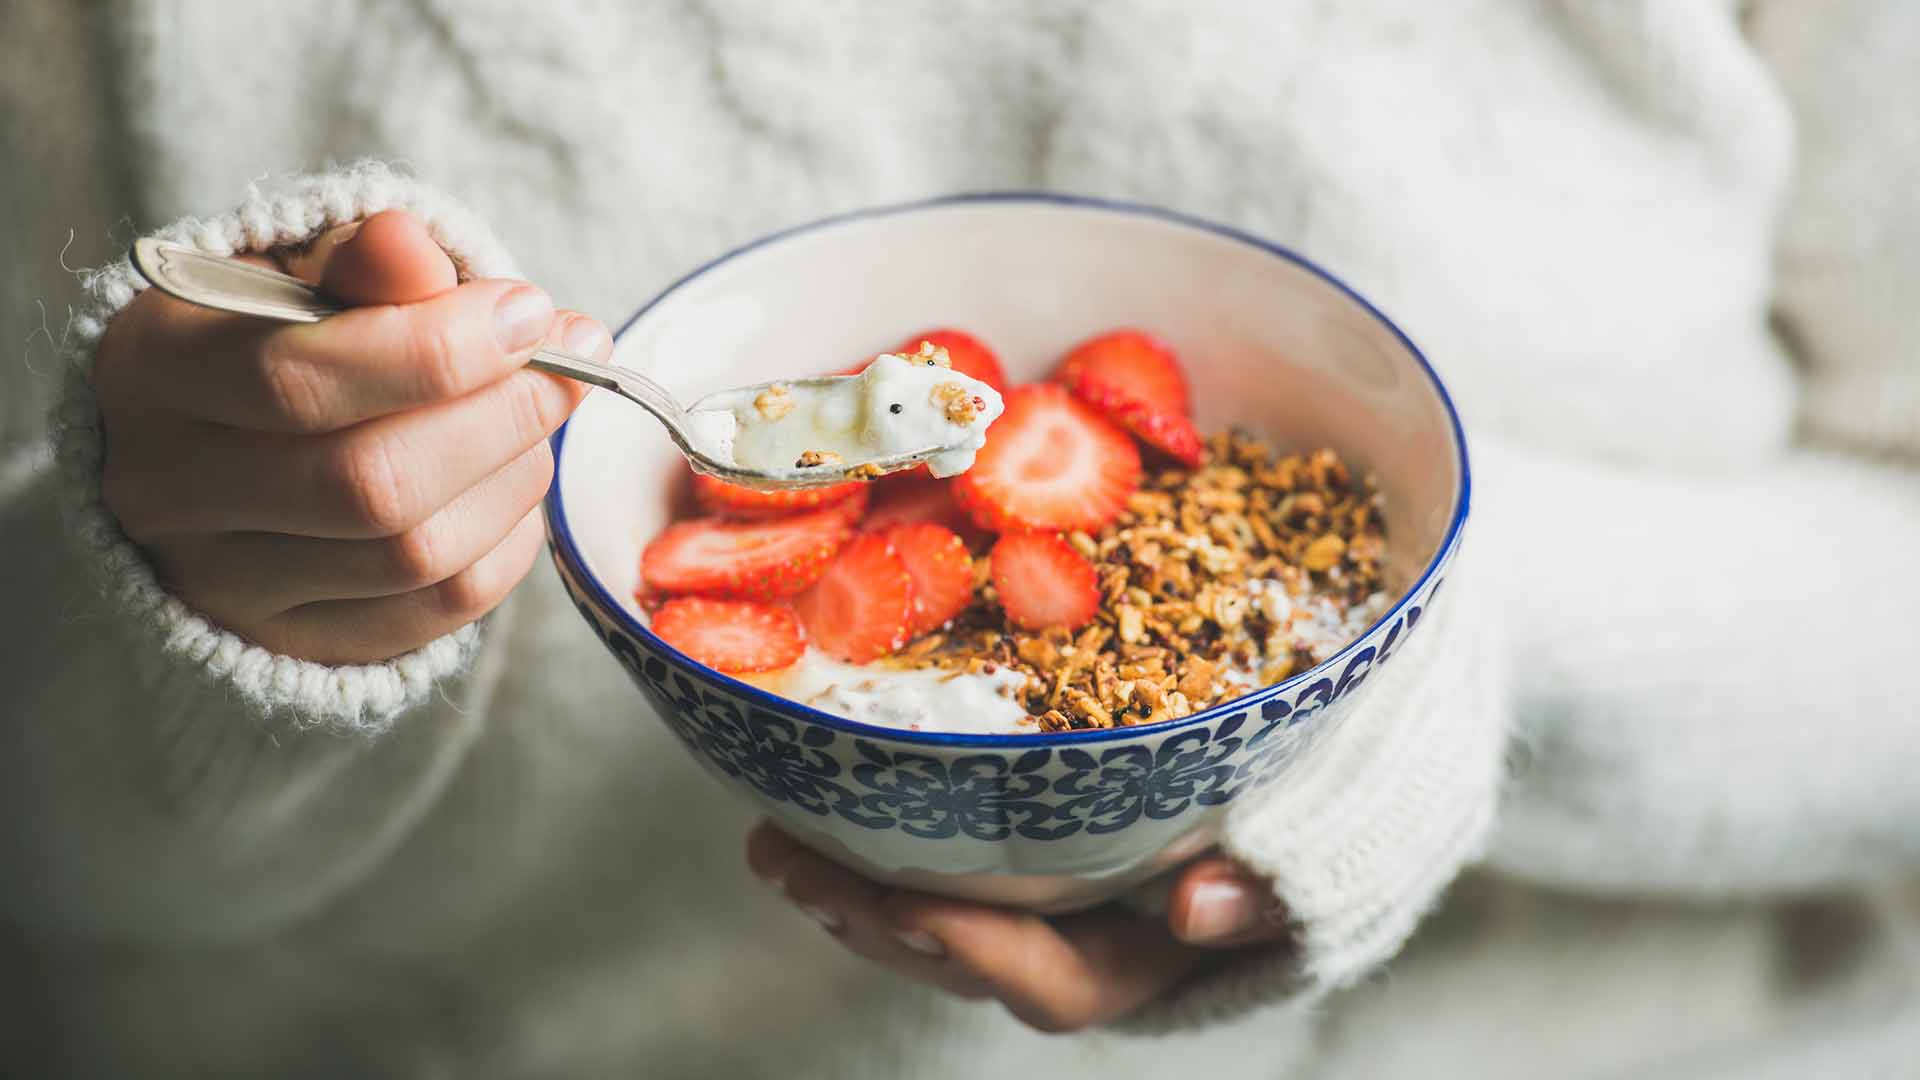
(1673, 329)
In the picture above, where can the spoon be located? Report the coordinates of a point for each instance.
(244, 289)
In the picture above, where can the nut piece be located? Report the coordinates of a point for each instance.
(774, 402)
(1197, 681)
(812, 458)
(960, 406)
(1324, 553)
(930, 354)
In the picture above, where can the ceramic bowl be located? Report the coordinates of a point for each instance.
(1050, 822)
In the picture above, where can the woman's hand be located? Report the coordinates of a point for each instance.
(1055, 975)
(347, 491)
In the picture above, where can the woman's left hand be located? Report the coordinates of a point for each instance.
(1055, 974)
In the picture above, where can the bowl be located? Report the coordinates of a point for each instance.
(1049, 822)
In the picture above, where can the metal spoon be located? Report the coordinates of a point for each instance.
(231, 285)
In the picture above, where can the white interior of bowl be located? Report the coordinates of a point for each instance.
(1268, 345)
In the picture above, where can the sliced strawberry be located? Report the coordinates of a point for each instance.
(969, 355)
(1043, 582)
(861, 607)
(1136, 380)
(1050, 463)
(716, 496)
(905, 498)
(746, 560)
(854, 507)
(731, 635)
(1171, 433)
(942, 571)
(1132, 361)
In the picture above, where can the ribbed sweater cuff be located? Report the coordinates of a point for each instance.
(357, 696)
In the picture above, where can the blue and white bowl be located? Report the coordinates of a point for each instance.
(1051, 822)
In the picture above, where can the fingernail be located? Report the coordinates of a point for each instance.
(521, 318)
(922, 942)
(584, 336)
(1221, 909)
(828, 919)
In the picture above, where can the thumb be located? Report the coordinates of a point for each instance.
(387, 259)
(1216, 901)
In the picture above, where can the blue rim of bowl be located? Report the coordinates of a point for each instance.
(563, 536)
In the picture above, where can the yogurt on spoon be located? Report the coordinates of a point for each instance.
(901, 403)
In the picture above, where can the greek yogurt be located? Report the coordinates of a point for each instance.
(901, 403)
(921, 700)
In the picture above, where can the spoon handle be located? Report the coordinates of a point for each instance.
(244, 289)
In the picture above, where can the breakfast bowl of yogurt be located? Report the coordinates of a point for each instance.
(1194, 491)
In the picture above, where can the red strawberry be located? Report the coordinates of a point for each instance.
(730, 635)
(1137, 381)
(969, 355)
(1043, 582)
(942, 571)
(904, 498)
(1050, 463)
(861, 607)
(716, 496)
(746, 560)
(854, 507)
(1133, 360)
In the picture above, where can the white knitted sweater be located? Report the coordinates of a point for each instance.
(471, 860)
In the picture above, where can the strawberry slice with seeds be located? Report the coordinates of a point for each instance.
(969, 355)
(716, 496)
(1134, 378)
(731, 635)
(942, 571)
(1051, 463)
(1133, 360)
(1043, 582)
(754, 560)
(861, 607)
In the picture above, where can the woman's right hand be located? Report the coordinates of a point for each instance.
(350, 490)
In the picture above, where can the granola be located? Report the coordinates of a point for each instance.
(1214, 580)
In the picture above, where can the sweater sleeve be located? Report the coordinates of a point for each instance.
(1847, 260)
(1366, 837)
(160, 775)
(1711, 672)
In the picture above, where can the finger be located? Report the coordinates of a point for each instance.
(363, 363)
(389, 259)
(377, 479)
(850, 908)
(1217, 903)
(1056, 976)
(308, 261)
(240, 578)
(371, 631)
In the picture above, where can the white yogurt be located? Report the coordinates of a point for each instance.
(923, 700)
(899, 404)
